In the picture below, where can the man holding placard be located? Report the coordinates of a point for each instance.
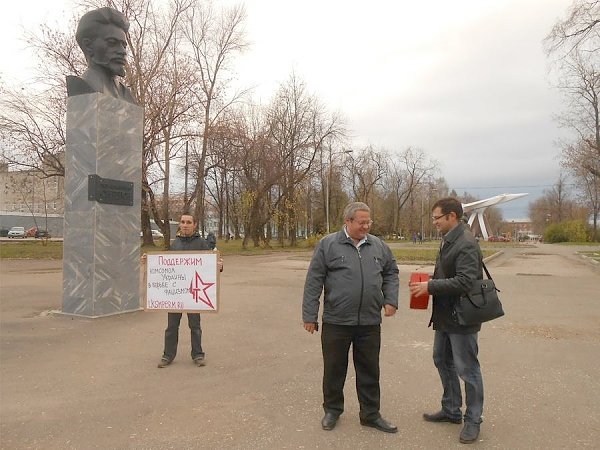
(187, 239)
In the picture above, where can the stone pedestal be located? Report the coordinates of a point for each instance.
(101, 256)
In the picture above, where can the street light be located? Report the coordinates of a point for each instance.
(329, 182)
(431, 190)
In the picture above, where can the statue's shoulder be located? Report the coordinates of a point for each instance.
(125, 94)
(78, 86)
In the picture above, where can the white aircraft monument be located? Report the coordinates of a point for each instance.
(476, 209)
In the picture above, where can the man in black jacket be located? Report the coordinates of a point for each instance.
(360, 277)
(187, 239)
(455, 346)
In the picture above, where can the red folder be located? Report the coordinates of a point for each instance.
(421, 301)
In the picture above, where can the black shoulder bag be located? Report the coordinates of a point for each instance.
(481, 304)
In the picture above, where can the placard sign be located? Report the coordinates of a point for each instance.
(182, 281)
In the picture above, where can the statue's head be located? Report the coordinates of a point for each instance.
(102, 35)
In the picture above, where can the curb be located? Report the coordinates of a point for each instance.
(494, 256)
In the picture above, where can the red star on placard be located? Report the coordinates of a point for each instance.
(198, 290)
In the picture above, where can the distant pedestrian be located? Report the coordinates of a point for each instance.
(414, 237)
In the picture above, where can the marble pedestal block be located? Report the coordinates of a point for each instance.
(101, 255)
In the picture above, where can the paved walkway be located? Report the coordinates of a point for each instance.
(86, 384)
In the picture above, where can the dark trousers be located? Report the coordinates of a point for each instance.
(455, 356)
(172, 335)
(366, 342)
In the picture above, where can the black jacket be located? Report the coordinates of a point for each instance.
(457, 266)
(193, 242)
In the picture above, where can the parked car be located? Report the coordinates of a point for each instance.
(39, 234)
(498, 239)
(156, 234)
(30, 232)
(16, 232)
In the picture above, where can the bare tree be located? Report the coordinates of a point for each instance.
(32, 115)
(32, 130)
(583, 165)
(299, 125)
(261, 170)
(408, 170)
(580, 82)
(579, 30)
(573, 43)
(555, 206)
(367, 170)
(215, 38)
(222, 172)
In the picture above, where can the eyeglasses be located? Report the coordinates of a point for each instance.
(366, 223)
(435, 218)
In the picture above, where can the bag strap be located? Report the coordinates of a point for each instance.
(487, 272)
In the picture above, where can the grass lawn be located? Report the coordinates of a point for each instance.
(405, 253)
(593, 255)
(39, 249)
(424, 254)
(31, 249)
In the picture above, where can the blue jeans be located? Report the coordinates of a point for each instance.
(455, 355)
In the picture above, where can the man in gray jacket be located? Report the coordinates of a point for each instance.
(360, 277)
(455, 346)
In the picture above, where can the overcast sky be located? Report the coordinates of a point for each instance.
(465, 80)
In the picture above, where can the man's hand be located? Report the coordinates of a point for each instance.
(311, 327)
(418, 288)
(389, 310)
(220, 264)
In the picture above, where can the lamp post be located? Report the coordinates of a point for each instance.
(431, 189)
(328, 182)
(422, 223)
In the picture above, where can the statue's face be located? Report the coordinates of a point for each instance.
(108, 50)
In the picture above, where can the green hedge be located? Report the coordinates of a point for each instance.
(572, 231)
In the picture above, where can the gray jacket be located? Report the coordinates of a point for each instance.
(357, 282)
(458, 265)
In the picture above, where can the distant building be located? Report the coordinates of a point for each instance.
(519, 229)
(26, 191)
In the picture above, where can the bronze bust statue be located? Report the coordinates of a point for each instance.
(102, 36)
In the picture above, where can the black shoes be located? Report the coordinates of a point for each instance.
(381, 424)
(200, 361)
(441, 416)
(329, 421)
(164, 362)
(469, 433)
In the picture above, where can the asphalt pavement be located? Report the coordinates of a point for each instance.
(73, 383)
